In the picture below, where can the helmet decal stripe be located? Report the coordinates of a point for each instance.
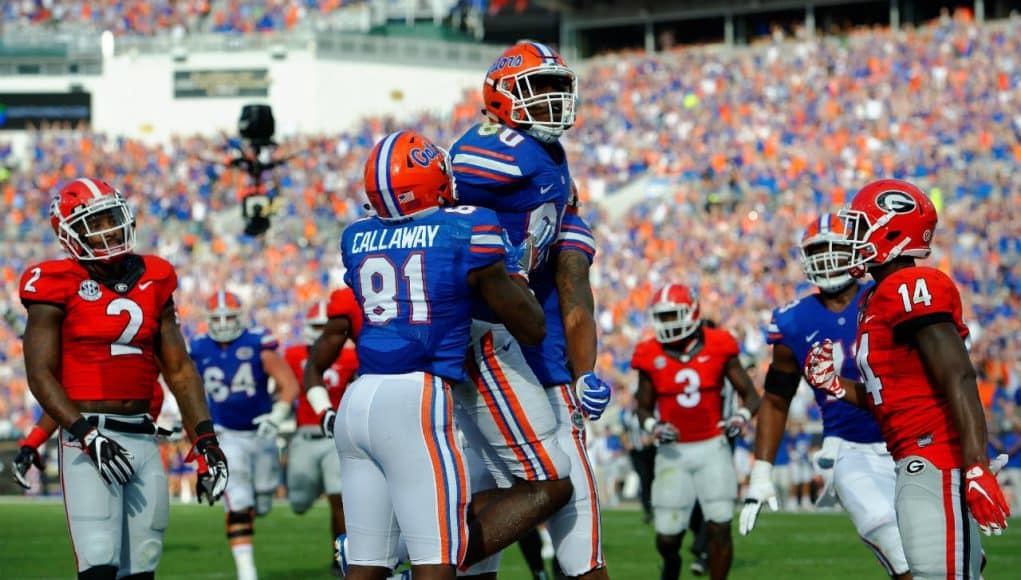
(547, 54)
(221, 299)
(93, 188)
(824, 224)
(383, 174)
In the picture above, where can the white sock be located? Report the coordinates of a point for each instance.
(244, 559)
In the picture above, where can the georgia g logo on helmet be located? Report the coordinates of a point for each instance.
(896, 202)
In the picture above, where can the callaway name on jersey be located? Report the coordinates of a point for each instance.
(108, 335)
(689, 391)
(236, 384)
(912, 411)
(800, 324)
(525, 181)
(411, 279)
(548, 360)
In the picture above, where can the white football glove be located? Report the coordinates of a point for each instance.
(734, 424)
(268, 424)
(821, 371)
(760, 490)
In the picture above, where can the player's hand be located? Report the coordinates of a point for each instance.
(665, 433)
(533, 249)
(207, 447)
(268, 424)
(760, 491)
(985, 500)
(595, 395)
(111, 459)
(203, 483)
(821, 371)
(326, 422)
(734, 424)
(23, 461)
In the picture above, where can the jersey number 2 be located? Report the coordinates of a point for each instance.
(123, 345)
(378, 278)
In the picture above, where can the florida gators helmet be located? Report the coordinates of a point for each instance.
(674, 312)
(315, 322)
(405, 174)
(887, 219)
(92, 221)
(223, 316)
(826, 254)
(529, 87)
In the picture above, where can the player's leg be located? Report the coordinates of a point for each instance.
(699, 541)
(481, 480)
(716, 485)
(865, 481)
(576, 528)
(510, 422)
(329, 467)
(94, 512)
(239, 499)
(266, 473)
(303, 471)
(411, 426)
(146, 509)
(940, 538)
(673, 498)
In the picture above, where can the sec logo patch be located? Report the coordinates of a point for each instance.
(89, 290)
(915, 466)
(659, 363)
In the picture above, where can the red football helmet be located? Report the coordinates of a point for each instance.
(405, 174)
(674, 313)
(887, 219)
(826, 253)
(315, 321)
(92, 220)
(223, 316)
(530, 87)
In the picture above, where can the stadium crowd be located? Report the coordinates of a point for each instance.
(746, 143)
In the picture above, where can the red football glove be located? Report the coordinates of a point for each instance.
(820, 370)
(985, 500)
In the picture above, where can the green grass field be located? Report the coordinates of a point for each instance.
(34, 544)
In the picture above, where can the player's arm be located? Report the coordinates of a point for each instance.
(662, 431)
(183, 379)
(511, 301)
(42, 363)
(782, 380)
(323, 352)
(28, 452)
(821, 373)
(287, 391)
(743, 385)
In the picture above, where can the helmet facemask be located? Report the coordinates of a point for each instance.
(673, 322)
(224, 324)
(864, 253)
(543, 100)
(825, 260)
(99, 231)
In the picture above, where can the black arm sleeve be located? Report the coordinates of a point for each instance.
(782, 384)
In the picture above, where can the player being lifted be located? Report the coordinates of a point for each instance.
(101, 328)
(313, 467)
(236, 364)
(522, 412)
(863, 470)
(415, 268)
(681, 374)
(918, 380)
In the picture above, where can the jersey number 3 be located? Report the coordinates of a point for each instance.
(379, 282)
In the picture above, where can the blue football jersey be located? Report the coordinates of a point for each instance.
(525, 181)
(237, 385)
(805, 321)
(548, 360)
(410, 278)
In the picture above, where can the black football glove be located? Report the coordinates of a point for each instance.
(23, 461)
(214, 481)
(111, 459)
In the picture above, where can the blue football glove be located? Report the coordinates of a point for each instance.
(595, 395)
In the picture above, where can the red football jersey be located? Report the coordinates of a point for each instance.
(343, 303)
(912, 412)
(107, 337)
(335, 379)
(689, 394)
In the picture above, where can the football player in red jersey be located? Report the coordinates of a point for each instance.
(313, 463)
(343, 321)
(101, 327)
(919, 382)
(681, 374)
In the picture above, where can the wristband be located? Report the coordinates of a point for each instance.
(36, 437)
(744, 413)
(649, 425)
(761, 471)
(79, 429)
(319, 399)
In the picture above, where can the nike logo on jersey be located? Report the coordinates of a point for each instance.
(144, 285)
(811, 337)
(702, 358)
(543, 190)
(868, 318)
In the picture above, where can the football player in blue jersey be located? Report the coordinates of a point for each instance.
(521, 410)
(236, 364)
(416, 269)
(863, 477)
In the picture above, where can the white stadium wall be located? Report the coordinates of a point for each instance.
(134, 96)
